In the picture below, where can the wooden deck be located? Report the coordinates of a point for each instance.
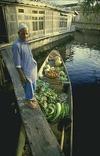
(41, 139)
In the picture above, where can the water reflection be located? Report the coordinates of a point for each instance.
(82, 58)
(83, 64)
(69, 53)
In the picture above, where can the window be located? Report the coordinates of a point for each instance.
(21, 10)
(41, 23)
(41, 12)
(34, 12)
(35, 23)
(63, 22)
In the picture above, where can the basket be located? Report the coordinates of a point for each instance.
(55, 83)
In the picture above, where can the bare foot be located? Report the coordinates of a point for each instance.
(32, 103)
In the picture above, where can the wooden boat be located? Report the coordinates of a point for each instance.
(53, 89)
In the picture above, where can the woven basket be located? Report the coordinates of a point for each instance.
(55, 83)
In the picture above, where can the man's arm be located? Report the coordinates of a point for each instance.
(21, 75)
(17, 61)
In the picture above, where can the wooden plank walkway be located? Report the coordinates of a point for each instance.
(41, 139)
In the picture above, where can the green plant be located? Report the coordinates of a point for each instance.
(89, 6)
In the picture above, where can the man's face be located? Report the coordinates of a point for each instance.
(23, 34)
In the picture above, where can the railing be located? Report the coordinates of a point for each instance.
(87, 25)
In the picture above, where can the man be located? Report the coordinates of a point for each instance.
(25, 64)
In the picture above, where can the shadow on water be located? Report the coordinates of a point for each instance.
(9, 120)
(86, 115)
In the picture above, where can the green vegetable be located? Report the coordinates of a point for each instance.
(58, 111)
(53, 105)
(66, 109)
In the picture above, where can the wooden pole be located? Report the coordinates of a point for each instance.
(62, 138)
(21, 141)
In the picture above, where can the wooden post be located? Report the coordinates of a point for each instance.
(21, 141)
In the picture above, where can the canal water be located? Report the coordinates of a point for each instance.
(82, 58)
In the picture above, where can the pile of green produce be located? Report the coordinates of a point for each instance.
(53, 105)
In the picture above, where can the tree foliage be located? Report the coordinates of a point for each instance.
(91, 6)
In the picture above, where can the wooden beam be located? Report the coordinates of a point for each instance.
(21, 141)
(42, 140)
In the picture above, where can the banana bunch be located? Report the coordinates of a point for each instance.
(57, 111)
